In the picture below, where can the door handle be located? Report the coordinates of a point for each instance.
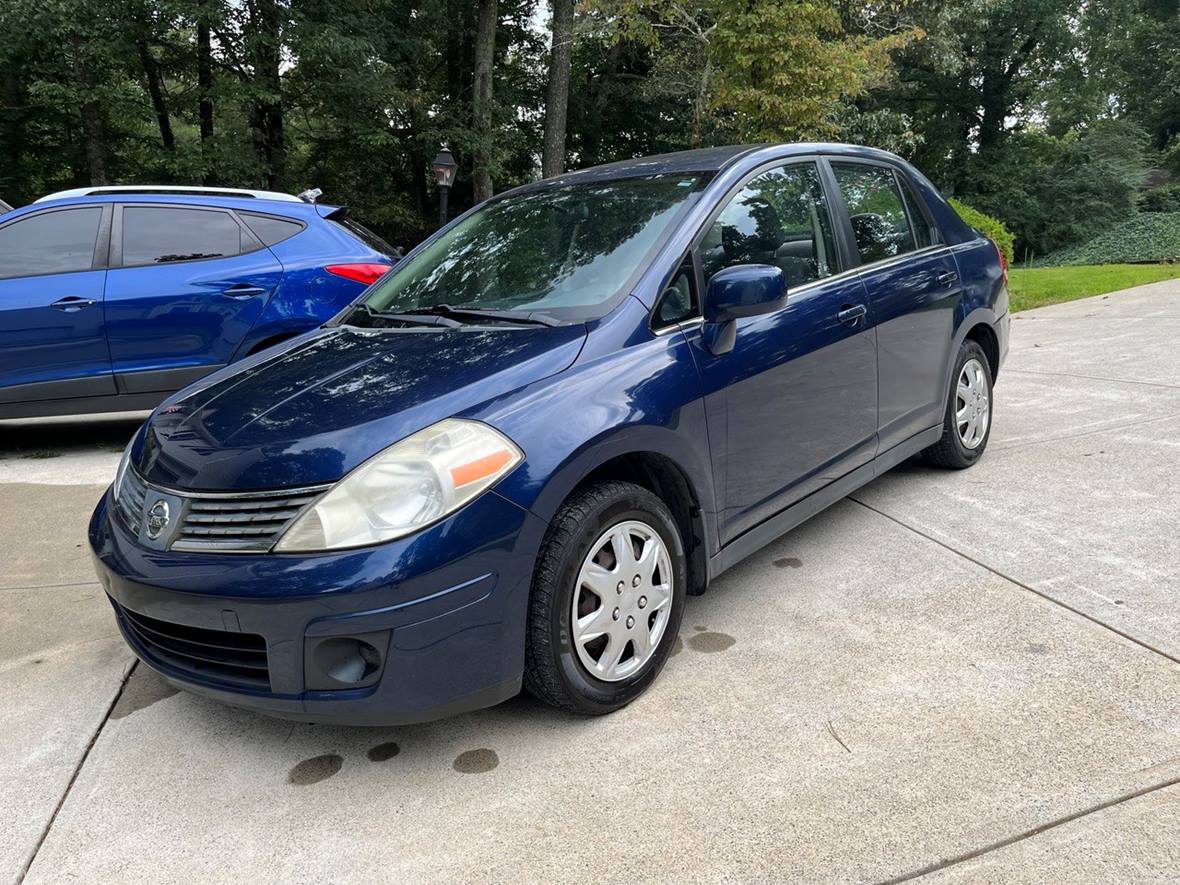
(947, 277)
(243, 290)
(850, 313)
(72, 303)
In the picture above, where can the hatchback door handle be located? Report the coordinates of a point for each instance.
(72, 303)
(947, 277)
(244, 290)
(850, 313)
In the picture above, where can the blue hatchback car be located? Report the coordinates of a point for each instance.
(111, 298)
(515, 456)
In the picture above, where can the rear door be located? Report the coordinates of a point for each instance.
(52, 344)
(185, 286)
(913, 287)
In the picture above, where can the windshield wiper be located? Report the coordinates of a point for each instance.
(410, 319)
(530, 317)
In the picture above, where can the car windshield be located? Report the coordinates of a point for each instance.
(563, 251)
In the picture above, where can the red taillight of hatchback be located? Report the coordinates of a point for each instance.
(367, 272)
(1003, 262)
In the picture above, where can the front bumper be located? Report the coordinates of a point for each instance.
(448, 604)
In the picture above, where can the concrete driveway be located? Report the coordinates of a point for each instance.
(969, 676)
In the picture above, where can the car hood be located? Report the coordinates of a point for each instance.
(318, 408)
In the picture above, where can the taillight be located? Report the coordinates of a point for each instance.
(363, 273)
(1003, 262)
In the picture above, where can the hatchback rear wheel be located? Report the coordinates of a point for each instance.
(607, 598)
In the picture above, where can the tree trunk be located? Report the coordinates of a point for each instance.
(266, 110)
(481, 100)
(155, 84)
(93, 130)
(558, 99)
(204, 72)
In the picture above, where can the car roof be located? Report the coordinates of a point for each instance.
(287, 207)
(714, 160)
(173, 189)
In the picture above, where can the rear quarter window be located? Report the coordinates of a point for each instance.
(269, 229)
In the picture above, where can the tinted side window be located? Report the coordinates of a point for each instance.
(779, 218)
(157, 235)
(876, 210)
(269, 229)
(924, 232)
(53, 242)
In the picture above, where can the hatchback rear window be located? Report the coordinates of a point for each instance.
(365, 235)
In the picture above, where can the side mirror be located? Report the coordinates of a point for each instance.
(744, 290)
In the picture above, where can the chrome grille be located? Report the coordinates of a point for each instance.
(130, 500)
(246, 522)
(215, 522)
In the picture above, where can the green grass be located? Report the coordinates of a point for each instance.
(1037, 286)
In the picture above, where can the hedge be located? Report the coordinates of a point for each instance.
(987, 225)
(1147, 238)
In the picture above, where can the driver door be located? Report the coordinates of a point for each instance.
(793, 406)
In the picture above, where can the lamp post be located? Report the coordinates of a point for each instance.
(444, 167)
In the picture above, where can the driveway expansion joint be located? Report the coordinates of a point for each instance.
(74, 776)
(995, 571)
(1028, 834)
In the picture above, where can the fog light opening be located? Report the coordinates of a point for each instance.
(343, 662)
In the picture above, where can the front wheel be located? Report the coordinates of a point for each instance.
(607, 598)
(967, 424)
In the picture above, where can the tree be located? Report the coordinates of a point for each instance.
(481, 100)
(557, 98)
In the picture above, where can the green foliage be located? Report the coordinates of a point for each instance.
(1052, 191)
(989, 226)
(1161, 199)
(1152, 236)
(1030, 287)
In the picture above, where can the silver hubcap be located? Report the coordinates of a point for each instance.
(621, 602)
(972, 406)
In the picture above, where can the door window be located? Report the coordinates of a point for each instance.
(875, 208)
(52, 242)
(924, 232)
(779, 218)
(161, 234)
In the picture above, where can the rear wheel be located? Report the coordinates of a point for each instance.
(967, 424)
(607, 598)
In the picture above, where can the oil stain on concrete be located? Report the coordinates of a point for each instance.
(476, 761)
(789, 562)
(383, 752)
(711, 642)
(316, 769)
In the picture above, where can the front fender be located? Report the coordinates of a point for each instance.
(642, 398)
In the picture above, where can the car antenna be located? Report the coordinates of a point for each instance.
(311, 194)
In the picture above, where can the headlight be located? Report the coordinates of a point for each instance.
(408, 486)
(122, 470)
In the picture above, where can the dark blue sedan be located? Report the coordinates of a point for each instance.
(111, 298)
(515, 456)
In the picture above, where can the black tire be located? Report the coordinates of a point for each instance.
(949, 451)
(553, 672)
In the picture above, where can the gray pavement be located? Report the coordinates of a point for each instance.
(965, 676)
